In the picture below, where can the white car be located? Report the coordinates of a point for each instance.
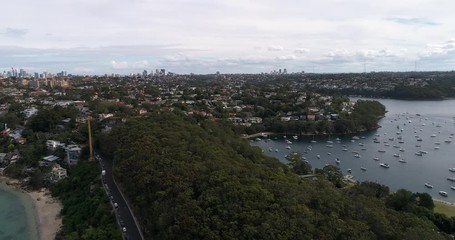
(124, 229)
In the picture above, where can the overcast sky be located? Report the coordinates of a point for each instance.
(230, 36)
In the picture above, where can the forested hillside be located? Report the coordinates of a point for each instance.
(200, 181)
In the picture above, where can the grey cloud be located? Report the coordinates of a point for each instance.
(14, 32)
(412, 21)
(445, 50)
(301, 50)
(275, 48)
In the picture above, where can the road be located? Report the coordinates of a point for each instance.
(124, 214)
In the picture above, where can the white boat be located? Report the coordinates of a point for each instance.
(337, 139)
(428, 185)
(337, 161)
(363, 168)
(418, 145)
(295, 137)
(402, 160)
(423, 152)
(396, 155)
(452, 187)
(433, 135)
(288, 147)
(376, 158)
(318, 156)
(355, 138)
(437, 143)
(329, 142)
(381, 150)
(357, 155)
(384, 165)
(401, 150)
(349, 170)
(329, 153)
(442, 193)
(436, 147)
(329, 145)
(345, 149)
(448, 141)
(452, 169)
(276, 150)
(452, 179)
(418, 154)
(419, 139)
(270, 149)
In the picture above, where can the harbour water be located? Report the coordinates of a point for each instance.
(416, 140)
(17, 215)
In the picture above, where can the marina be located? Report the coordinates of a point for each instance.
(406, 158)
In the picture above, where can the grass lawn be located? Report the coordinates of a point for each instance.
(448, 210)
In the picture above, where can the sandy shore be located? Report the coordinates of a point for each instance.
(48, 212)
(443, 202)
(47, 209)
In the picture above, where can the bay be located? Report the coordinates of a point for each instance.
(17, 215)
(432, 122)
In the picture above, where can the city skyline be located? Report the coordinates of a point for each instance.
(98, 37)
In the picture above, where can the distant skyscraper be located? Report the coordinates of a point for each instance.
(285, 71)
(163, 72)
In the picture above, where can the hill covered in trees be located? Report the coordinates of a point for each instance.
(189, 180)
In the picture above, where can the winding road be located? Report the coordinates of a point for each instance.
(124, 215)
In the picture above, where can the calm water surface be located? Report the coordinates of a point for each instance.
(431, 121)
(17, 215)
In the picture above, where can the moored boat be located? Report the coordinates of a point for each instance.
(443, 193)
(384, 165)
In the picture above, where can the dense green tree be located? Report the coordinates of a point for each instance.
(87, 213)
(200, 181)
(297, 165)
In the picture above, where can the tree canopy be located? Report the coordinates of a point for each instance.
(200, 181)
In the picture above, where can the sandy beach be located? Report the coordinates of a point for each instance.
(48, 212)
(47, 209)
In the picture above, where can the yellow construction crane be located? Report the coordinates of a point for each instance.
(90, 138)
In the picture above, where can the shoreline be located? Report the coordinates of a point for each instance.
(46, 209)
(262, 134)
(443, 202)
